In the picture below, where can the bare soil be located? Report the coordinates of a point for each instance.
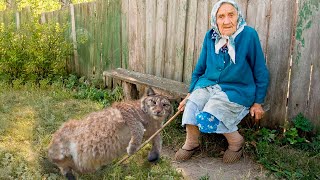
(203, 167)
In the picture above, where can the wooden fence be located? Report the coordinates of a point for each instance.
(164, 38)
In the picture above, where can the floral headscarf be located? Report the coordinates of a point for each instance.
(222, 40)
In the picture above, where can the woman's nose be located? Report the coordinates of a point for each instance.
(227, 20)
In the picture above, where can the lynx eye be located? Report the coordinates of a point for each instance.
(153, 102)
(166, 105)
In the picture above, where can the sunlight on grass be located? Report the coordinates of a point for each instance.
(17, 137)
(28, 118)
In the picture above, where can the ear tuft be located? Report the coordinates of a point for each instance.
(150, 92)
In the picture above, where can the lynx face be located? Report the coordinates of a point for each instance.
(157, 106)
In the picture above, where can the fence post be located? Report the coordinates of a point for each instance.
(18, 20)
(43, 18)
(74, 39)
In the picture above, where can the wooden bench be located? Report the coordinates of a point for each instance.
(131, 79)
(174, 89)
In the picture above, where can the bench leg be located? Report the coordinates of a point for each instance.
(130, 91)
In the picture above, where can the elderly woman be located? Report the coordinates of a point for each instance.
(229, 81)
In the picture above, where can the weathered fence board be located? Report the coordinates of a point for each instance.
(151, 9)
(180, 39)
(116, 35)
(133, 35)
(170, 41)
(243, 4)
(304, 89)
(124, 33)
(161, 33)
(142, 33)
(258, 16)
(201, 28)
(99, 67)
(189, 40)
(279, 44)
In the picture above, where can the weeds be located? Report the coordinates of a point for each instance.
(86, 90)
(293, 154)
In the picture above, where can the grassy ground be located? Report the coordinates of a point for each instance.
(30, 115)
(28, 118)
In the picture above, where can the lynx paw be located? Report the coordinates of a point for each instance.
(153, 156)
(131, 150)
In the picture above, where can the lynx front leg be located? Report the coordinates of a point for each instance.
(154, 154)
(137, 131)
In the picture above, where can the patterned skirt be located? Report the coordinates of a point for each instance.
(210, 109)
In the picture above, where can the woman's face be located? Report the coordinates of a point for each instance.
(227, 19)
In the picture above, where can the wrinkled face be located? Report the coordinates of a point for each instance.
(157, 106)
(227, 19)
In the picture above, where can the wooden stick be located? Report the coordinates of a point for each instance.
(147, 141)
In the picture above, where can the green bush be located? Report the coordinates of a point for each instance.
(87, 90)
(33, 52)
(13, 53)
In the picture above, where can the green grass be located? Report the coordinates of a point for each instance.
(30, 115)
(287, 162)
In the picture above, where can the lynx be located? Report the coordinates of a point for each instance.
(85, 145)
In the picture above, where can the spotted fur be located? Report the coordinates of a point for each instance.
(84, 146)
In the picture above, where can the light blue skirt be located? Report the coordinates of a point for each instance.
(210, 109)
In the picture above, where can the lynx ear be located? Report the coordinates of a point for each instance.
(150, 92)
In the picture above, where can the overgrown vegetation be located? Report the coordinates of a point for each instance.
(292, 154)
(33, 52)
(30, 114)
(37, 6)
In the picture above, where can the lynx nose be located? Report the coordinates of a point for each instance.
(158, 111)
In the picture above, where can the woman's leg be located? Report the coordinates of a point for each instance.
(190, 145)
(234, 151)
(192, 137)
(195, 103)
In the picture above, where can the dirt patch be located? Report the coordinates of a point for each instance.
(201, 166)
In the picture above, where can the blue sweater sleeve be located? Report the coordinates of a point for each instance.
(258, 65)
(200, 66)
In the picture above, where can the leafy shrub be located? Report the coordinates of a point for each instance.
(13, 53)
(302, 123)
(86, 90)
(33, 52)
(289, 154)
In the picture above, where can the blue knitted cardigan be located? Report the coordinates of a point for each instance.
(246, 81)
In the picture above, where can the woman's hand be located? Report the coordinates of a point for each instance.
(182, 104)
(256, 111)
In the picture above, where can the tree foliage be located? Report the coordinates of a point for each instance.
(37, 6)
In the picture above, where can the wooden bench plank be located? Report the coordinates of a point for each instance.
(176, 88)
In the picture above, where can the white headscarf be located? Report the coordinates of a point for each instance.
(222, 40)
